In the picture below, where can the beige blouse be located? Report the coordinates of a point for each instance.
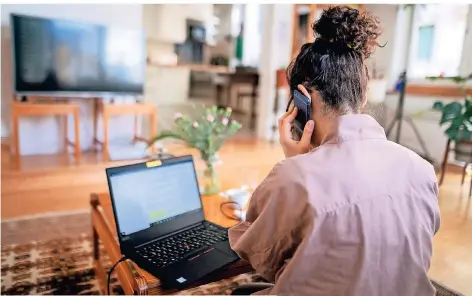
(356, 216)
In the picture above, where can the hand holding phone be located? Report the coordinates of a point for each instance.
(303, 104)
(300, 122)
(295, 134)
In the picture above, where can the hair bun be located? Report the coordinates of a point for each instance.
(342, 25)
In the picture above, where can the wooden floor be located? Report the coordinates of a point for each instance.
(42, 184)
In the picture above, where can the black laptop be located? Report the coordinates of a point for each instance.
(160, 221)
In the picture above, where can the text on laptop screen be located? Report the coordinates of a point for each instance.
(148, 196)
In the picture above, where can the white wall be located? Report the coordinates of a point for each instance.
(466, 63)
(276, 49)
(43, 135)
(387, 13)
(252, 34)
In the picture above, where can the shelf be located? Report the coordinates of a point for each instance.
(195, 67)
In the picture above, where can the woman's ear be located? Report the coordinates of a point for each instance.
(314, 96)
(303, 90)
(364, 101)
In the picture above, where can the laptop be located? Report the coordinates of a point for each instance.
(160, 221)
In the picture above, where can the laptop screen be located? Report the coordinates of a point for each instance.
(149, 196)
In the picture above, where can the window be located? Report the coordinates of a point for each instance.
(425, 42)
(252, 35)
(437, 39)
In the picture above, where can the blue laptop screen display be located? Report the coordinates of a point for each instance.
(149, 196)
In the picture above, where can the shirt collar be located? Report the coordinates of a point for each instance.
(355, 127)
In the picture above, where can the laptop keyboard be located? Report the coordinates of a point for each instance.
(172, 249)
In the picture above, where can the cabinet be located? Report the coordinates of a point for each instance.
(205, 14)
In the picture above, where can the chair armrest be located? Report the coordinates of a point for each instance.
(102, 231)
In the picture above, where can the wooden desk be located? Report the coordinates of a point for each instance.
(239, 77)
(133, 279)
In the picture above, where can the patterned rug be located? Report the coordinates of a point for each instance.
(59, 266)
(52, 255)
(62, 264)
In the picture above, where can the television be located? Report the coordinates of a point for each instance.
(62, 57)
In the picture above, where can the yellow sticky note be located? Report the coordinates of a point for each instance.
(154, 163)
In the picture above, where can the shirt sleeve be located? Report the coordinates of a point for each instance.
(277, 219)
(437, 214)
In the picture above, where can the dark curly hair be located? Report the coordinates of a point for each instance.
(333, 64)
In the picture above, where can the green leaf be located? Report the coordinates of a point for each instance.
(438, 106)
(197, 132)
(165, 135)
(455, 79)
(458, 121)
(468, 103)
(452, 132)
(457, 114)
(451, 111)
(458, 79)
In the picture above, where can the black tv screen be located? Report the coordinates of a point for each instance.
(60, 56)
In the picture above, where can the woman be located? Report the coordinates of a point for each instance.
(356, 214)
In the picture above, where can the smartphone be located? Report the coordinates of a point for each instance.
(303, 104)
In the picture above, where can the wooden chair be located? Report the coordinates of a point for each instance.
(109, 110)
(64, 109)
(228, 81)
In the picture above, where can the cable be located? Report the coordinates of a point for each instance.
(110, 272)
(233, 217)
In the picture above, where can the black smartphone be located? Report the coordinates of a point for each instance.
(303, 104)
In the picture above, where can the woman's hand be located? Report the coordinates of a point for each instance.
(289, 145)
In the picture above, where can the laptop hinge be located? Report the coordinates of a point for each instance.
(170, 234)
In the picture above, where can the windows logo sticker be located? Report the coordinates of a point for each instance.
(181, 280)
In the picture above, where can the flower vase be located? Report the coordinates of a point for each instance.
(210, 180)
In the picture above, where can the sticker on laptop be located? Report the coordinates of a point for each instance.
(154, 163)
(181, 280)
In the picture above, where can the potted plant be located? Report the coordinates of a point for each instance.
(206, 132)
(458, 116)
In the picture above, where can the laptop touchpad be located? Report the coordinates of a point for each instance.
(200, 265)
(208, 261)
